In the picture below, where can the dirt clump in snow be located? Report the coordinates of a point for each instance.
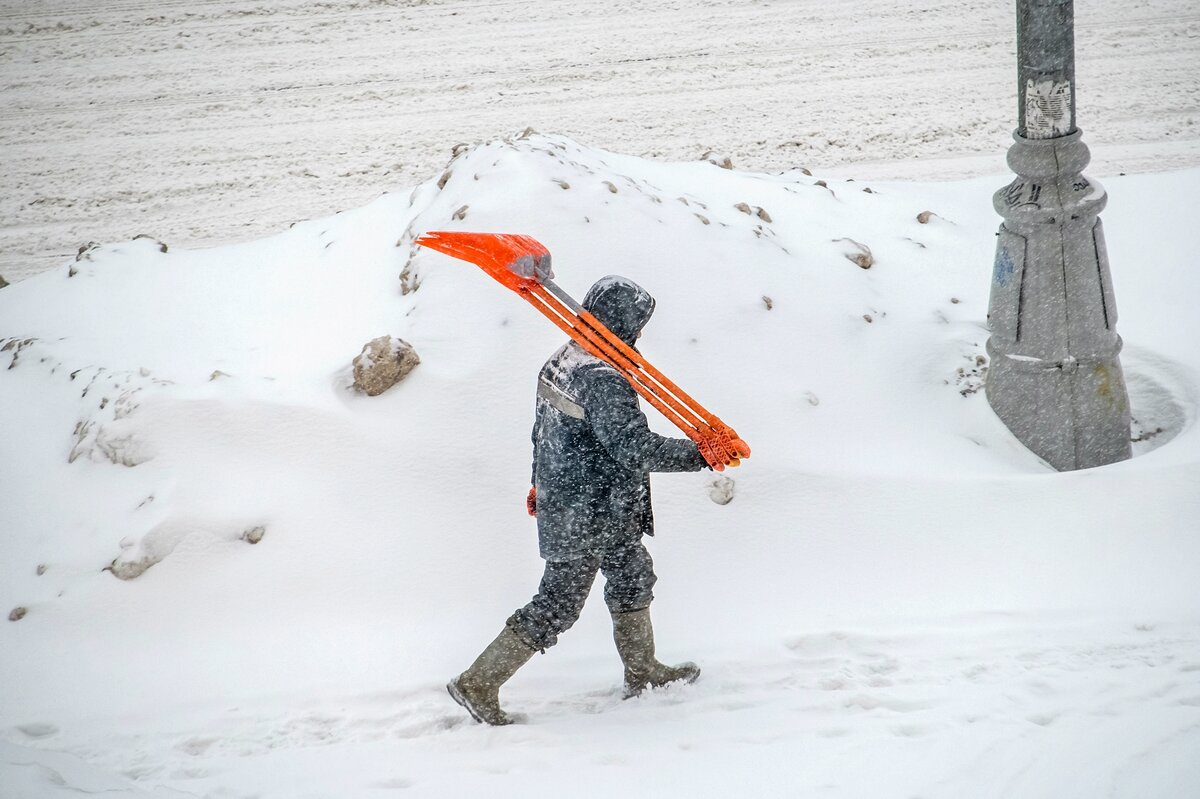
(15, 346)
(383, 363)
(130, 569)
(857, 253)
(971, 379)
(723, 161)
(161, 246)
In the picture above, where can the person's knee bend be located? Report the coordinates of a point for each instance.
(539, 630)
(632, 593)
(629, 580)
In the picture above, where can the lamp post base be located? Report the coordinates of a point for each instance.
(1055, 376)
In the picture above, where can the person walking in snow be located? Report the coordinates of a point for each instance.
(592, 457)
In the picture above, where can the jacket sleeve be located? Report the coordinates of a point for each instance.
(620, 427)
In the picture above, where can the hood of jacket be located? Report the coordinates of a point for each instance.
(622, 305)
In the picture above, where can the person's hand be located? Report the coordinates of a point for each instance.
(531, 501)
(740, 450)
(719, 456)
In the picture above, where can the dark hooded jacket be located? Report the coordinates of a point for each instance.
(592, 448)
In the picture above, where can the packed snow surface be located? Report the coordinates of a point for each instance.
(209, 121)
(228, 575)
(897, 599)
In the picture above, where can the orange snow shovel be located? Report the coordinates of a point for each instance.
(522, 264)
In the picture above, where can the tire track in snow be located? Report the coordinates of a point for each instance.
(110, 131)
(325, 88)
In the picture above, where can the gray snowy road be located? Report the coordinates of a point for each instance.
(211, 122)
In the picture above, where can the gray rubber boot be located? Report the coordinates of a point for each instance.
(634, 636)
(478, 688)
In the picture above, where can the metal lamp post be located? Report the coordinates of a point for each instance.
(1055, 375)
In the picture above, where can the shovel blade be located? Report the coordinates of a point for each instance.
(514, 260)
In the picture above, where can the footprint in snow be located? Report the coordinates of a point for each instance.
(38, 730)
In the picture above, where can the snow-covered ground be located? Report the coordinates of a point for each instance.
(203, 122)
(900, 600)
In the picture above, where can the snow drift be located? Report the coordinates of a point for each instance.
(185, 420)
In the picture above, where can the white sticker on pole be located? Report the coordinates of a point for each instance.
(1047, 109)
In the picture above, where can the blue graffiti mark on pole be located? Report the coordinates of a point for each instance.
(1004, 268)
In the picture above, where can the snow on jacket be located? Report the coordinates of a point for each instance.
(592, 448)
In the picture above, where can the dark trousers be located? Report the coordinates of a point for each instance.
(629, 576)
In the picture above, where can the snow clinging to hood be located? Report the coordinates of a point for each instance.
(622, 305)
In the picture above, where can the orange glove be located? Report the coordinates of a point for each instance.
(531, 501)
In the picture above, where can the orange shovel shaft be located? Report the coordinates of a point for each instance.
(632, 355)
(623, 357)
(598, 349)
(719, 445)
(720, 435)
(522, 264)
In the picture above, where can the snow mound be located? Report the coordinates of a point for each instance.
(166, 409)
